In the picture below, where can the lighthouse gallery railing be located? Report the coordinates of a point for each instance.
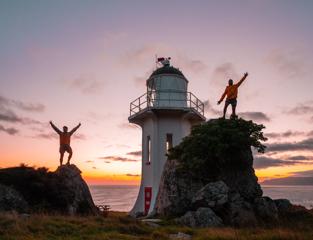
(167, 99)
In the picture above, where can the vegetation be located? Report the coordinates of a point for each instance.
(118, 226)
(218, 143)
(39, 187)
(42, 190)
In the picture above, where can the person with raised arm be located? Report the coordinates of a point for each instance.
(65, 141)
(231, 93)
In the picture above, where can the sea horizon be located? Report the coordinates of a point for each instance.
(122, 197)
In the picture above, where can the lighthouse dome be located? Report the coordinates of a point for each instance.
(167, 78)
(167, 87)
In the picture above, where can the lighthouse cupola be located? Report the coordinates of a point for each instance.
(167, 87)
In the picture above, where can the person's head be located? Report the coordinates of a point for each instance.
(230, 82)
(65, 129)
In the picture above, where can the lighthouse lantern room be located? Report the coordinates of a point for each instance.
(166, 113)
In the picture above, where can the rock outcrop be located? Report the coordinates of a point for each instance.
(80, 200)
(203, 217)
(38, 190)
(213, 195)
(11, 200)
(209, 179)
(266, 208)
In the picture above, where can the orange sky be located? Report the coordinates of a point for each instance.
(79, 61)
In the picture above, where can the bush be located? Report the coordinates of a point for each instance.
(219, 144)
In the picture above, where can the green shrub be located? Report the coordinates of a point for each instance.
(217, 144)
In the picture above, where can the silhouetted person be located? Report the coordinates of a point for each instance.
(231, 92)
(65, 141)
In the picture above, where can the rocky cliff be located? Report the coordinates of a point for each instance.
(209, 178)
(25, 189)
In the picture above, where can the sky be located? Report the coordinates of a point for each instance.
(85, 61)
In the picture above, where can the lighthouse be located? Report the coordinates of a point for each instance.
(165, 113)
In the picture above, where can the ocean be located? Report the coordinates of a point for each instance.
(122, 198)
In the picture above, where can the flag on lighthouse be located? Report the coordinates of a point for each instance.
(164, 61)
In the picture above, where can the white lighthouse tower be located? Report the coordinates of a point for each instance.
(166, 113)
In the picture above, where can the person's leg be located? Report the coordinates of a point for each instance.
(233, 109)
(233, 106)
(225, 108)
(70, 153)
(61, 155)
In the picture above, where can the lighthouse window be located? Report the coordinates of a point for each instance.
(148, 150)
(169, 141)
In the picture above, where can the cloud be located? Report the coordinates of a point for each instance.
(193, 66)
(46, 136)
(135, 153)
(132, 175)
(53, 135)
(89, 161)
(86, 84)
(116, 146)
(209, 108)
(266, 162)
(118, 159)
(309, 134)
(224, 72)
(307, 173)
(255, 116)
(306, 144)
(301, 109)
(79, 136)
(128, 126)
(287, 134)
(289, 64)
(8, 115)
(300, 158)
(29, 107)
(10, 131)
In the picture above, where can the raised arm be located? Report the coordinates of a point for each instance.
(55, 128)
(223, 96)
(242, 79)
(74, 129)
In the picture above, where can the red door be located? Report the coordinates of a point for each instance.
(148, 194)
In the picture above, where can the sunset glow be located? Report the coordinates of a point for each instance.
(71, 63)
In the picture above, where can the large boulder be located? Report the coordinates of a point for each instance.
(203, 217)
(238, 212)
(63, 191)
(79, 198)
(176, 191)
(283, 205)
(11, 200)
(180, 191)
(266, 209)
(213, 195)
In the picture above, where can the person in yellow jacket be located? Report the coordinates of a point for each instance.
(231, 93)
(65, 141)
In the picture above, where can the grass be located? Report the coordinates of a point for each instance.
(118, 226)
